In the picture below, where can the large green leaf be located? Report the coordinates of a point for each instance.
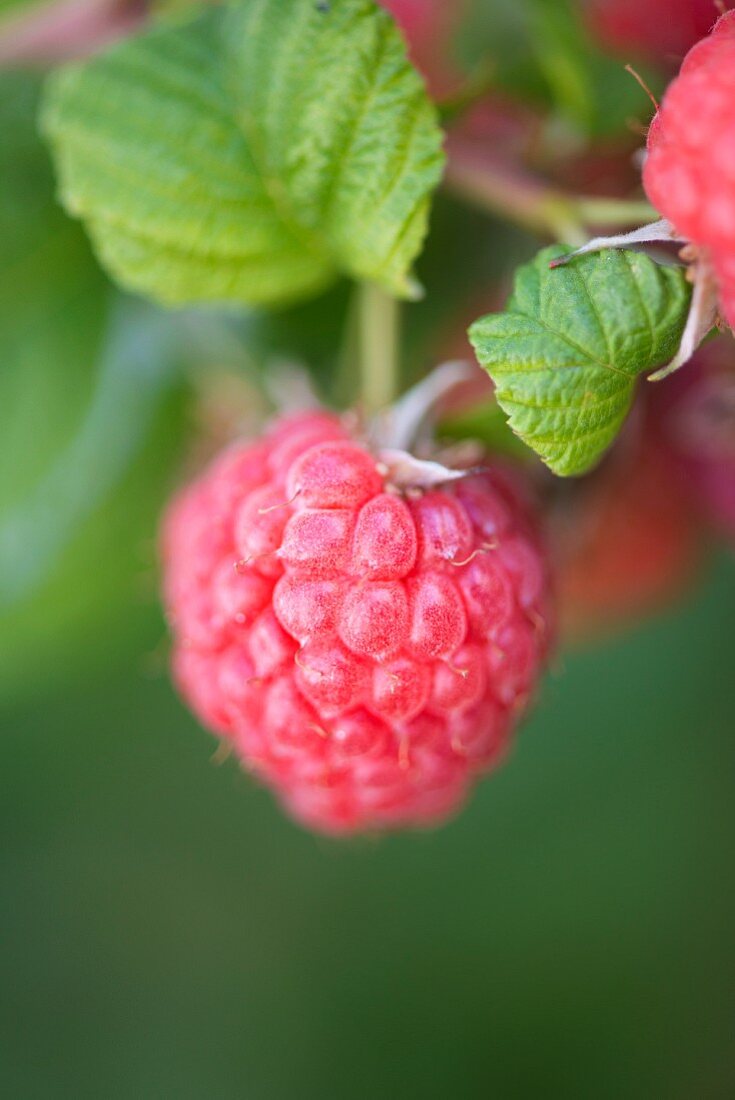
(566, 352)
(252, 153)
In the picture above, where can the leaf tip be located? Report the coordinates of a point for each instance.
(560, 261)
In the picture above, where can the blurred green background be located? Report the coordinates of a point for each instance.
(164, 930)
(167, 932)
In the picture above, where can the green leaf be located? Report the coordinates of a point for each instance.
(566, 352)
(252, 154)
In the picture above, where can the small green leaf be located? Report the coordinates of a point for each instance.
(252, 153)
(566, 353)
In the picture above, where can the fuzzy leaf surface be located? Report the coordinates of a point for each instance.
(252, 153)
(566, 352)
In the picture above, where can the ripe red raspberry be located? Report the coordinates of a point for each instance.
(716, 480)
(689, 174)
(699, 426)
(365, 650)
(627, 544)
(659, 29)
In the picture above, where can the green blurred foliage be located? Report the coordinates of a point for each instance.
(90, 417)
(8, 6)
(542, 53)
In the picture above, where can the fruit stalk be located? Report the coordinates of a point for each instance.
(378, 326)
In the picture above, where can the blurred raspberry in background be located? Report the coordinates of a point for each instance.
(429, 26)
(659, 30)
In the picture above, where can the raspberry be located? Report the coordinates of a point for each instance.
(689, 174)
(628, 544)
(699, 425)
(659, 29)
(365, 649)
(716, 480)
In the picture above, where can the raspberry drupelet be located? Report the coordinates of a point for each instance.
(366, 650)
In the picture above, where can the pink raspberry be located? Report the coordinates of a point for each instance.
(365, 650)
(689, 174)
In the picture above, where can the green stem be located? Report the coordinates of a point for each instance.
(379, 366)
(614, 213)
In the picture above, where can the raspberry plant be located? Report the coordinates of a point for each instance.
(361, 596)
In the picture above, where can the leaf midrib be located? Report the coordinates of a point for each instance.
(315, 244)
(540, 323)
